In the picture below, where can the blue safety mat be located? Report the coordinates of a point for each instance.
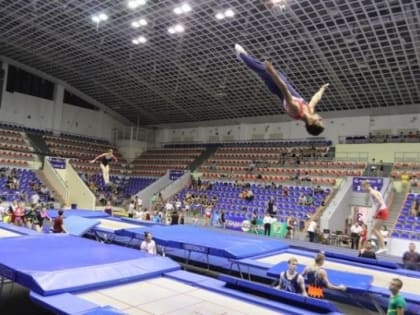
(78, 226)
(17, 229)
(79, 213)
(52, 264)
(67, 303)
(208, 241)
(353, 281)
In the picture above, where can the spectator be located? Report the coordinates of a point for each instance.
(254, 222)
(367, 251)
(58, 226)
(415, 209)
(396, 303)
(148, 245)
(355, 231)
(411, 258)
(270, 206)
(267, 224)
(363, 236)
(131, 209)
(291, 222)
(311, 230)
(292, 281)
(174, 218)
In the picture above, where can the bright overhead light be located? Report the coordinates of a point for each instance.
(171, 30)
(184, 8)
(97, 18)
(138, 23)
(179, 28)
(103, 17)
(134, 4)
(139, 40)
(220, 16)
(142, 39)
(229, 13)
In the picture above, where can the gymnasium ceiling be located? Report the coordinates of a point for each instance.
(369, 51)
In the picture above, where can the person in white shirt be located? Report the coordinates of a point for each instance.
(35, 199)
(267, 224)
(131, 209)
(355, 231)
(148, 245)
(311, 230)
(169, 206)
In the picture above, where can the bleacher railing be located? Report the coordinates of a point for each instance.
(407, 157)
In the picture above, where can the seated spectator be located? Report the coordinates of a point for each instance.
(413, 181)
(249, 195)
(306, 177)
(411, 258)
(251, 166)
(317, 278)
(291, 280)
(367, 251)
(302, 199)
(415, 209)
(148, 245)
(318, 190)
(156, 217)
(285, 191)
(309, 200)
(58, 226)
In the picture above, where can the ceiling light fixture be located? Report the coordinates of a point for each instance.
(138, 23)
(139, 40)
(228, 13)
(134, 4)
(178, 28)
(184, 8)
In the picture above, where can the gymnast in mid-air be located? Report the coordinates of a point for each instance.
(105, 159)
(294, 105)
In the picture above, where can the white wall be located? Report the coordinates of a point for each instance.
(41, 113)
(27, 110)
(335, 128)
(35, 112)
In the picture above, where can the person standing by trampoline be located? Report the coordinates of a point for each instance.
(381, 214)
(105, 159)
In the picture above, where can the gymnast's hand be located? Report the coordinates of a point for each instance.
(342, 287)
(92, 161)
(325, 85)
